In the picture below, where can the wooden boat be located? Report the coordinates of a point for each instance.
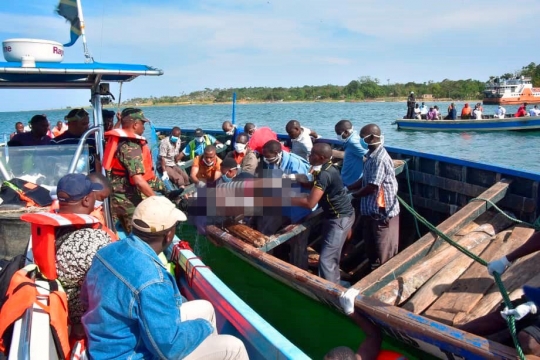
(32, 335)
(511, 92)
(441, 189)
(486, 124)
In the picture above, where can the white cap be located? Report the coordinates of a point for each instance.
(412, 92)
(158, 213)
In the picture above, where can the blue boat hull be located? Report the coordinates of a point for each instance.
(523, 124)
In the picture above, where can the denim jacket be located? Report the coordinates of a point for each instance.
(134, 306)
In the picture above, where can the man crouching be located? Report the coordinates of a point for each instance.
(135, 309)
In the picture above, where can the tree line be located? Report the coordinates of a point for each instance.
(363, 88)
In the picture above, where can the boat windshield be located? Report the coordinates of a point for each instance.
(42, 165)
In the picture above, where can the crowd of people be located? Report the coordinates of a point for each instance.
(422, 112)
(361, 196)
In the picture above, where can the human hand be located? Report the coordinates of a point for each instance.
(228, 142)
(499, 266)
(519, 312)
(165, 176)
(201, 184)
(181, 163)
(346, 300)
(219, 146)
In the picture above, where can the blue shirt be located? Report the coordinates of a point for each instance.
(199, 146)
(353, 160)
(134, 306)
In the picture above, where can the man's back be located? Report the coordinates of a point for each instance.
(134, 306)
(353, 160)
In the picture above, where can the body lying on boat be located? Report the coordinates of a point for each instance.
(527, 123)
(414, 297)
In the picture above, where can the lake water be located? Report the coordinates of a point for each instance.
(511, 149)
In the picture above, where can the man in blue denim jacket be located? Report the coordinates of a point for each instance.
(135, 309)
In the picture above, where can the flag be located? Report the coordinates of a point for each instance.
(68, 9)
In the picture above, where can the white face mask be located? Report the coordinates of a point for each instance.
(199, 139)
(316, 167)
(230, 132)
(274, 160)
(239, 148)
(340, 136)
(208, 163)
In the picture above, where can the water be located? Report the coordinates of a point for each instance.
(512, 149)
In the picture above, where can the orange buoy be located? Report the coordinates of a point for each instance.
(390, 355)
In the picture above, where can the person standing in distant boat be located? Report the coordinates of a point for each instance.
(500, 113)
(411, 103)
(379, 206)
(452, 112)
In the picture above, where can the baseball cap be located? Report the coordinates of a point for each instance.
(73, 187)
(198, 133)
(134, 113)
(156, 213)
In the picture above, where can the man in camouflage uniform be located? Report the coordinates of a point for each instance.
(130, 167)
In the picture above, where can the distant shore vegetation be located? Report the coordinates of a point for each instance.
(365, 88)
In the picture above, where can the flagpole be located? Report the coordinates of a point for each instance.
(87, 55)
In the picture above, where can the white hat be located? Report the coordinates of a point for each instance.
(412, 92)
(158, 213)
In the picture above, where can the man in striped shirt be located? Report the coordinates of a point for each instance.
(379, 207)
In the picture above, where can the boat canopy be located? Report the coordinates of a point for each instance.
(69, 75)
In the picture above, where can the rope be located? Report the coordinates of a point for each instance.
(535, 225)
(510, 319)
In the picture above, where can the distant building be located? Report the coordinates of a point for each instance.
(427, 96)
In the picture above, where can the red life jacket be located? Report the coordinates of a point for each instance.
(43, 227)
(23, 294)
(111, 162)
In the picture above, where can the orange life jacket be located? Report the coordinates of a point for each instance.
(43, 227)
(111, 162)
(23, 294)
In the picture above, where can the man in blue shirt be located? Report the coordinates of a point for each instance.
(276, 163)
(353, 158)
(135, 309)
(196, 146)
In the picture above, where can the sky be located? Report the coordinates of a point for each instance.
(240, 43)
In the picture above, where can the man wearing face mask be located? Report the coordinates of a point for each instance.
(243, 155)
(231, 131)
(206, 168)
(169, 153)
(379, 205)
(329, 193)
(196, 146)
(353, 157)
(277, 163)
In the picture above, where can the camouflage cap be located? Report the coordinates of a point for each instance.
(134, 114)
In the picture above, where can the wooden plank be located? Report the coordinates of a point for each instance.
(469, 289)
(514, 278)
(399, 290)
(392, 320)
(511, 201)
(399, 263)
(442, 280)
(442, 308)
(247, 234)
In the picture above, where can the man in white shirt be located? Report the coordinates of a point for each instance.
(423, 111)
(417, 114)
(169, 153)
(477, 113)
(500, 113)
(300, 138)
(534, 111)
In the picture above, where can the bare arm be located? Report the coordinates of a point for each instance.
(193, 174)
(142, 185)
(370, 347)
(530, 246)
(217, 175)
(366, 190)
(356, 185)
(308, 202)
(313, 134)
(162, 163)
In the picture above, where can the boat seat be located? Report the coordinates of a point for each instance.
(43, 226)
